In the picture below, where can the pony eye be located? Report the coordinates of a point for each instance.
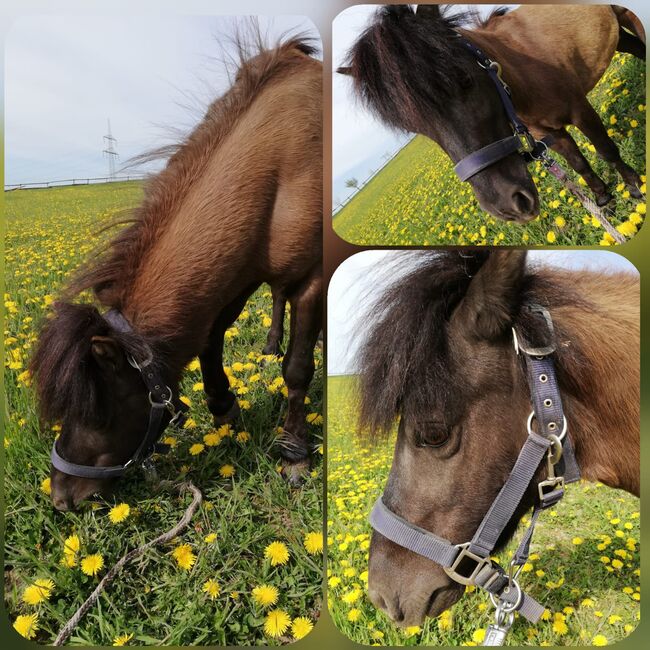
(431, 434)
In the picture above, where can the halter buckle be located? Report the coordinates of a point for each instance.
(543, 350)
(463, 557)
(547, 489)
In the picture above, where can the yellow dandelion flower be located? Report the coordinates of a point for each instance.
(226, 471)
(119, 513)
(445, 621)
(576, 541)
(212, 439)
(184, 556)
(196, 448)
(37, 592)
(91, 565)
(277, 552)
(276, 623)
(617, 564)
(265, 595)
(354, 614)
(26, 625)
(243, 436)
(599, 639)
(560, 222)
(550, 237)
(301, 627)
(212, 588)
(313, 543)
(479, 635)
(122, 639)
(210, 538)
(46, 485)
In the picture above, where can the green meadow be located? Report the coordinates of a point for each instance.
(248, 569)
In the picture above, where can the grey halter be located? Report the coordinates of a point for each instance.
(469, 563)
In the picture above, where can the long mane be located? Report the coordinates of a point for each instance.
(404, 358)
(404, 65)
(113, 269)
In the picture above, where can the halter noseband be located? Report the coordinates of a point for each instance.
(162, 402)
(522, 141)
(469, 563)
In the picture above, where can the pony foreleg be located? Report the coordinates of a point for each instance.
(566, 146)
(589, 122)
(222, 403)
(276, 332)
(298, 370)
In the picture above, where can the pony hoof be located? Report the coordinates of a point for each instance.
(635, 192)
(604, 199)
(273, 350)
(295, 473)
(229, 417)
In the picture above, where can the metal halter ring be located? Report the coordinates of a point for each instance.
(560, 437)
(504, 605)
(166, 402)
(555, 450)
(143, 364)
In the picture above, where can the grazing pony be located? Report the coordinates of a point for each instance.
(239, 203)
(439, 356)
(414, 73)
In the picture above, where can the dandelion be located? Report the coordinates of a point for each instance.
(91, 565)
(226, 471)
(617, 564)
(184, 556)
(576, 541)
(243, 436)
(26, 625)
(277, 552)
(212, 439)
(122, 639)
(550, 237)
(46, 486)
(119, 513)
(265, 595)
(276, 623)
(354, 615)
(313, 543)
(599, 639)
(445, 621)
(301, 627)
(37, 592)
(211, 538)
(560, 222)
(212, 588)
(196, 448)
(559, 626)
(479, 635)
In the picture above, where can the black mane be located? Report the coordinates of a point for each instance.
(404, 357)
(68, 380)
(405, 64)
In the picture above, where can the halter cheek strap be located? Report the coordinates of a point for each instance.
(165, 409)
(521, 141)
(469, 563)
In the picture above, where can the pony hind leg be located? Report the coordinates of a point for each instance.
(589, 122)
(276, 332)
(630, 43)
(298, 370)
(566, 146)
(222, 403)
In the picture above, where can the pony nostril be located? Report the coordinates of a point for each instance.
(523, 202)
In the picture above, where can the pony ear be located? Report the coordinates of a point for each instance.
(344, 69)
(428, 12)
(488, 307)
(106, 352)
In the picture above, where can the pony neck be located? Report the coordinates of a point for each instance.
(603, 404)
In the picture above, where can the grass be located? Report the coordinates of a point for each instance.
(418, 200)
(573, 569)
(49, 233)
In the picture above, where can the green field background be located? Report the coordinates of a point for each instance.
(417, 200)
(154, 601)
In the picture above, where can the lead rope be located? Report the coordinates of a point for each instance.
(197, 497)
(588, 203)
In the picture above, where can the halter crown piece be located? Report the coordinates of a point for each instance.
(522, 141)
(166, 409)
(469, 563)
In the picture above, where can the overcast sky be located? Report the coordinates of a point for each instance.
(66, 75)
(359, 280)
(359, 142)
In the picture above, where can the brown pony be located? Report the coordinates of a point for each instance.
(439, 356)
(239, 203)
(412, 71)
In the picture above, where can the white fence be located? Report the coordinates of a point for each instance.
(73, 181)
